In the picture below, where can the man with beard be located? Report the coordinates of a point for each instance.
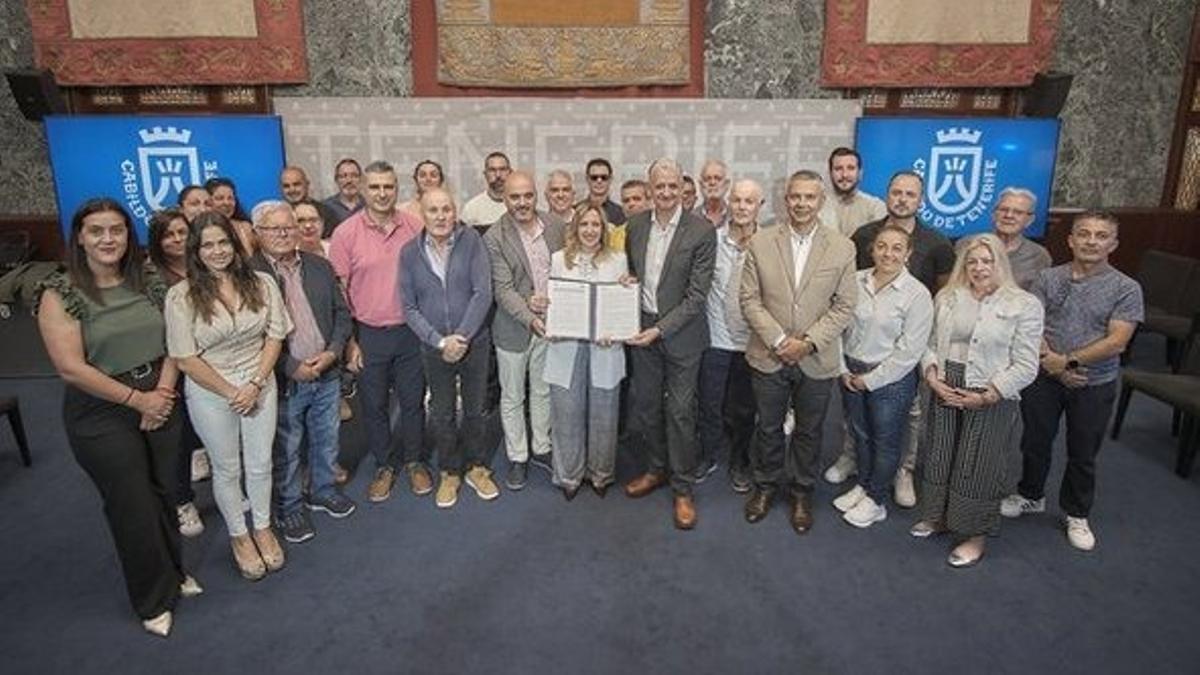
(365, 253)
(931, 261)
(560, 195)
(520, 245)
(487, 207)
(671, 253)
(850, 207)
(688, 194)
(348, 200)
(714, 182)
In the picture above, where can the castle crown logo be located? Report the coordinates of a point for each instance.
(170, 134)
(957, 135)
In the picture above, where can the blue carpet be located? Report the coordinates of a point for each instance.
(531, 583)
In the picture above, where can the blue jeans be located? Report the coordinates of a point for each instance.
(877, 420)
(307, 411)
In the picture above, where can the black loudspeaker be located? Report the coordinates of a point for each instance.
(1047, 95)
(36, 93)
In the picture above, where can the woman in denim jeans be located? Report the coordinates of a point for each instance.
(882, 346)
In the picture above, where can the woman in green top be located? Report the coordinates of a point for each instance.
(103, 327)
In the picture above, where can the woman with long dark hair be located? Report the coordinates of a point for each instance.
(194, 200)
(167, 246)
(103, 328)
(225, 327)
(225, 202)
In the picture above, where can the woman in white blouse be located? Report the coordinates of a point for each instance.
(882, 346)
(585, 377)
(225, 327)
(982, 352)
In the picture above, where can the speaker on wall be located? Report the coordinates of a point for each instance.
(1047, 95)
(36, 93)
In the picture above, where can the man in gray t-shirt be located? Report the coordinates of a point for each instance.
(1092, 311)
(1012, 216)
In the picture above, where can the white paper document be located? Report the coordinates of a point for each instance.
(582, 310)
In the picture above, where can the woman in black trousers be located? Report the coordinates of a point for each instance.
(103, 328)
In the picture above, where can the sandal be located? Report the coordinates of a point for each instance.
(269, 549)
(247, 559)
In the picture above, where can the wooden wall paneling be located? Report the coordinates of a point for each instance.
(1181, 188)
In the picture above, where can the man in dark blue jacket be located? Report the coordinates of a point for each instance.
(307, 371)
(446, 287)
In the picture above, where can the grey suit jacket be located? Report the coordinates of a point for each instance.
(512, 282)
(683, 285)
(817, 306)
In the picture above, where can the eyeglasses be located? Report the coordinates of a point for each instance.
(277, 231)
(598, 176)
(1006, 211)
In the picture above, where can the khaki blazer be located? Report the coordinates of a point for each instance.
(818, 307)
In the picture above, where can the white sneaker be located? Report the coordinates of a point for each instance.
(840, 470)
(201, 469)
(866, 513)
(190, 524)
(1015, 506)
(1080, 534)
(849, 499)
(903, 490)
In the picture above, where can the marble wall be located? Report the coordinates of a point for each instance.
(1127, 57)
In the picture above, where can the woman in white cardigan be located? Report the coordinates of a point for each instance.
(585, 377)
(982, 352)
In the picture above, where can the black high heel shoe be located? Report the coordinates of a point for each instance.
(600, 490)
(570, 492)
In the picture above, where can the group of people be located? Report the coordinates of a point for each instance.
(237, 331)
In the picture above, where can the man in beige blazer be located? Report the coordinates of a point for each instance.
(798, 295)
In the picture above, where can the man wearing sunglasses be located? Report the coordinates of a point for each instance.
(599, 181)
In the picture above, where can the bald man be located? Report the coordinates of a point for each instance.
(519, 245)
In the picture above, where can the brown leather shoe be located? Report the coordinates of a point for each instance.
(758, 504)
(802, 519)
(645, 484)
(685, 512)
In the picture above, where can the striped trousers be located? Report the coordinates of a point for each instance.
(963, 481)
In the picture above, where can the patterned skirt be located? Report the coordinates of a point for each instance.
(963, 481)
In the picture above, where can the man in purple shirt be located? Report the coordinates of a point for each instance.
(365, 252)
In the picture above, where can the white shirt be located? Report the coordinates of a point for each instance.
(890, 327)
(727, 326)
(606, 365)
(657, 245)
(801, 247)
(482, 210)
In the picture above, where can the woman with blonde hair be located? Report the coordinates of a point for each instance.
(585, 377)
(983, 350)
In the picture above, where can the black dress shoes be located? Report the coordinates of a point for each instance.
(802, 519)
(758, 504)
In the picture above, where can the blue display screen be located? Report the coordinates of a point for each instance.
(966, 162)
(144, 162)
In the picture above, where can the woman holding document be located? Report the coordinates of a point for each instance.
(584, 376)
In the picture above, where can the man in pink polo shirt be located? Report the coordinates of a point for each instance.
(365, 252)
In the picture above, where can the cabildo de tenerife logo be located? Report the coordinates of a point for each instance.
(960, 182)
(167, 162)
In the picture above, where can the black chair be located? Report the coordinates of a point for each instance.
(11, 407)
(1180, 390)
(1171, 290)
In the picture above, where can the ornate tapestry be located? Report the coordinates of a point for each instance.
(563, 43)
(165, 42)
(928, 43)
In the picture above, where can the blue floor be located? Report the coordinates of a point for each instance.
(531, 584)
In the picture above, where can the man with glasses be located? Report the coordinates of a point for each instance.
(599, 177)
(347, 200)
(294, 186)
(365, 253)
(487, 207)
(1013, 214)
(307, 372)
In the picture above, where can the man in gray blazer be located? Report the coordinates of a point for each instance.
(671, 252)
(798, 294)
(519, 246)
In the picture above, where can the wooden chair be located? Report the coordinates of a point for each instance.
(12, 408)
